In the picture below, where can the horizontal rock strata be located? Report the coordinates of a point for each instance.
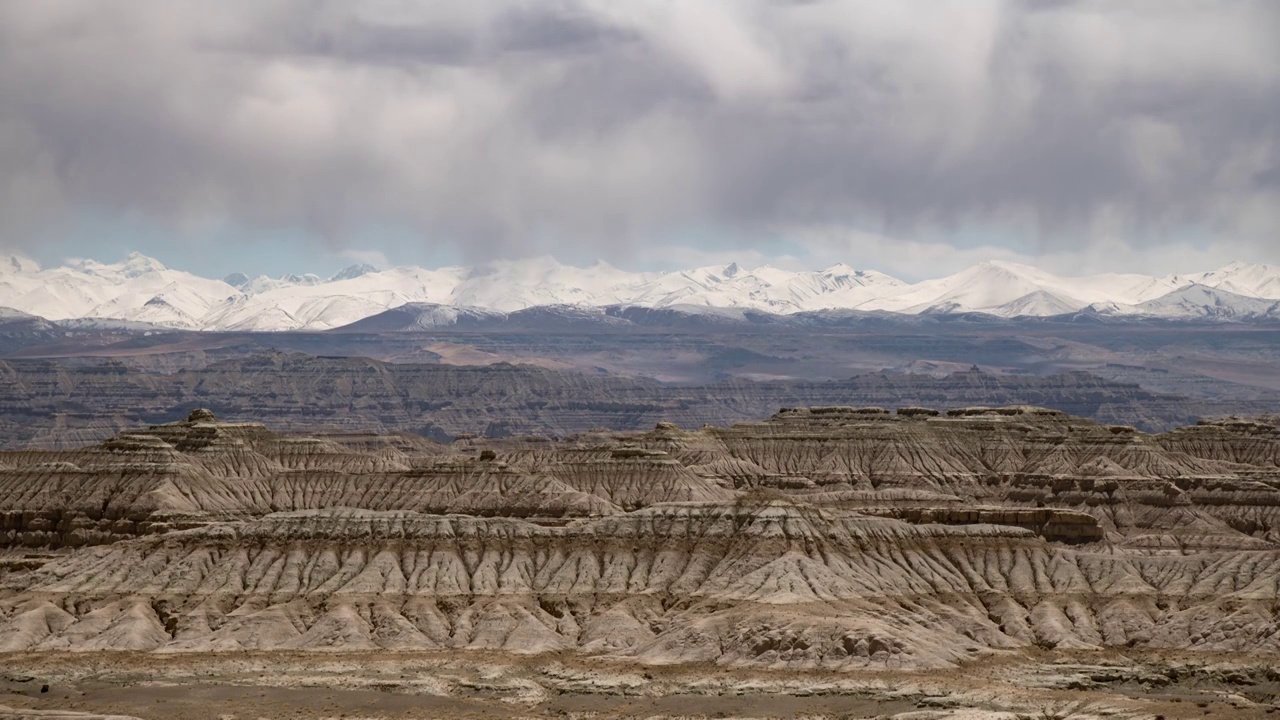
(828, 537)
(65, 404)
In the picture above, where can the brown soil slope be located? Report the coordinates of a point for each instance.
(831, 538)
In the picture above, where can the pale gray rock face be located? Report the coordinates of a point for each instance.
(830, 538)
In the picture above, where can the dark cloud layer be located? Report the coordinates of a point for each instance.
(517, 127)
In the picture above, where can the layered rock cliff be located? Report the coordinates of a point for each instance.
(824, 537)
(67, 404)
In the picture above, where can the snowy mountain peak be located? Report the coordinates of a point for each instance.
(1214, 303)
(1253, 279)
(1004, 268)
(305, 279)
(1197, 294)
(1199, 301)
(1040, 303)
(137, 264)
(1240, 266)
(354, 271)
(140, 289)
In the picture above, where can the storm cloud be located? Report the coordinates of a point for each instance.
(512, 128)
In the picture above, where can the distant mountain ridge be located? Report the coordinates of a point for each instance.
(55, 404)
(140, 289)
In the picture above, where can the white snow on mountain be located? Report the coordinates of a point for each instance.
(262, 283)
(1201, 302)
(139, 289)
(16, 264)
(1038, 303)
(1249, 279)
(984, 288)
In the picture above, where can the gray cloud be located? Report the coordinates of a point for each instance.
(522, 127)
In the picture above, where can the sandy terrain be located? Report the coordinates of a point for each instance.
(479, 685)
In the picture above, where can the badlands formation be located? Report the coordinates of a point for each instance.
(828, 562)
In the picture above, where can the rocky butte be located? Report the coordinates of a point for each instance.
(830, 544)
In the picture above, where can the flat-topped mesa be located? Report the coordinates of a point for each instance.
(1207, 486)
(1250, 442)
(1023, 456)
(202, 429)
(825, 412)
(1007, 411)
(831, 411)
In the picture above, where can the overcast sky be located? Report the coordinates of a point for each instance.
(913, 136)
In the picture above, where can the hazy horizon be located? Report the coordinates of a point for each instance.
(346, 262)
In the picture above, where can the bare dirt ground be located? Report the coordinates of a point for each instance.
(271, 685)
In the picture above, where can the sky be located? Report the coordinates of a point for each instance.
(914, 137)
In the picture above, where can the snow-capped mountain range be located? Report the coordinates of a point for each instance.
(140, 289)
